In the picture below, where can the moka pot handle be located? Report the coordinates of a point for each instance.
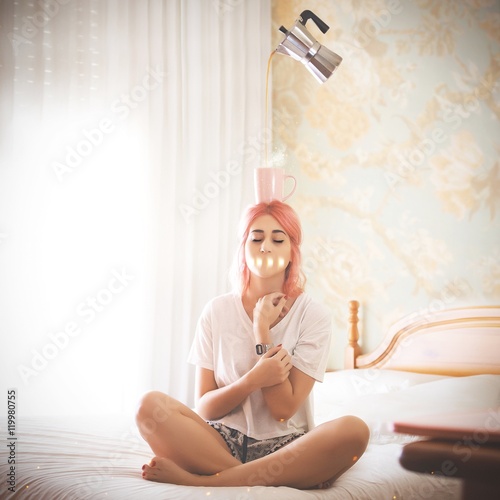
(307, 14)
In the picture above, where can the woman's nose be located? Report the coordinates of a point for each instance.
(263, 248)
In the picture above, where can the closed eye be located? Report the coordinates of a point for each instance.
(258, 236)
(255, 240)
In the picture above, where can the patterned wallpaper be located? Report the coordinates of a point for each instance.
(397, 156)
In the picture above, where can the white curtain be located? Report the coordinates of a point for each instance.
(129, 133)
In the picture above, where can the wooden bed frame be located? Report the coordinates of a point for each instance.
(461, 341)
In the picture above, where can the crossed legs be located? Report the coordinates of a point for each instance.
(174, 431)
(190, 452)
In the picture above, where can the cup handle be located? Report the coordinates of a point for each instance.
(294, 186)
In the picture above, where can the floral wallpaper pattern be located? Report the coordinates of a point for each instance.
(397, 156)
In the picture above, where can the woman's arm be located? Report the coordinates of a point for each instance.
(213, 402)
(283, 400)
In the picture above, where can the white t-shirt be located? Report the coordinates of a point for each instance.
(225, 344)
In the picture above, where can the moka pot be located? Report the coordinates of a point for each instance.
(302, 46)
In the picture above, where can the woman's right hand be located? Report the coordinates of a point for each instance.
(268, 309)
(272, 368)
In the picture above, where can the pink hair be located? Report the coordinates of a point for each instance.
(289, 220)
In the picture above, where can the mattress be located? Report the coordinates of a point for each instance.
(101, 457)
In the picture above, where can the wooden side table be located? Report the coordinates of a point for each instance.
(476, 463)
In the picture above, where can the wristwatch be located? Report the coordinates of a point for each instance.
(263, 348)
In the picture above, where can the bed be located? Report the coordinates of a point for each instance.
(444, 362)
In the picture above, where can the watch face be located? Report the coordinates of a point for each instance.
(263, 348)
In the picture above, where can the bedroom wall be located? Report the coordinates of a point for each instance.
(396, 157)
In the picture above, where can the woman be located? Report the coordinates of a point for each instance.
(258, 353)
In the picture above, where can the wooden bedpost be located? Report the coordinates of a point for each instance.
(352, 351)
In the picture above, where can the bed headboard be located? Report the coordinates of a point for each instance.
(460, 341)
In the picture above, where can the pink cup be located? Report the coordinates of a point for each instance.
(269, 184)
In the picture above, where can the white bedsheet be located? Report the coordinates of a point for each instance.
(101, 458)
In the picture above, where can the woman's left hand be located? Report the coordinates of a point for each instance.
(272, 368)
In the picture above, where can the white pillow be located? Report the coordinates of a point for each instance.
(345, 385)
(402, 396)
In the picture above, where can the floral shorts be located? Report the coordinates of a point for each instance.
(245, 448)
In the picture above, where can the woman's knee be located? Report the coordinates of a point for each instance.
(356, 432)
(349, 434)
(154, 408)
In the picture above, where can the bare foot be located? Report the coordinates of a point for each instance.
(164, 470)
